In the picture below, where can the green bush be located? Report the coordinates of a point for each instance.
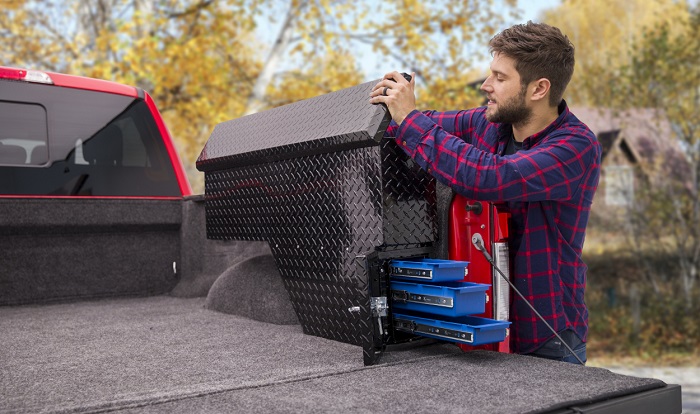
(663, 326)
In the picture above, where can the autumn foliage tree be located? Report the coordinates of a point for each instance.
(664, 74)
(605, 34)
(206, 61)
(637, 54)
(196, 58)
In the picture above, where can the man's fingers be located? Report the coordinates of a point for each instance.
(392, 79)
(392, 83)
(389, 76)
(382, 84)
(377, 90)
(377, 96)
(395, 77)
(380, 91)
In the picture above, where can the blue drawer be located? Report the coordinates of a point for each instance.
(447, 299)
(466, 330)
(428, 270)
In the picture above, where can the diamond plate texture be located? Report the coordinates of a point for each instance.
(322, 209)
(333, 122)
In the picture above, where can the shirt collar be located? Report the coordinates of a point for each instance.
(505, 131)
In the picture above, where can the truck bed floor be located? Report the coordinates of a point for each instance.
(165, 354)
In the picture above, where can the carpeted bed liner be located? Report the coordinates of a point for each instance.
(476, 383)
(94, 355)
(167, 354)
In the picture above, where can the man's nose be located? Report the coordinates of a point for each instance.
(486, 86)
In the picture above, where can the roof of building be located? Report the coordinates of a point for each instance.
(643, 135)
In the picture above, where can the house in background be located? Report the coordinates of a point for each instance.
(639, 149)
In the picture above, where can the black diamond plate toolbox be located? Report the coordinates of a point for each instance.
(317, 181)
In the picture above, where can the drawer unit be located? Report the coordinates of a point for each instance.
(428, 270)
(470, 330)
(430, 298)
(446, 299)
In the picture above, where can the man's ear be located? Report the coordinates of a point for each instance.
(540, 89)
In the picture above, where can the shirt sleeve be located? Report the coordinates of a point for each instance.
(457, 123)
(555, 169)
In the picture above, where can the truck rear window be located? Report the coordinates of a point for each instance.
(23, 138)
(68, 142)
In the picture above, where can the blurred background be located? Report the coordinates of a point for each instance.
(636, 84)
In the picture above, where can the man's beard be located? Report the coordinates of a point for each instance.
(513, 111)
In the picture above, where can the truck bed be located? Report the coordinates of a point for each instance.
(115, 297)
(168, 354)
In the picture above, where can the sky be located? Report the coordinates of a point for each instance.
(375, 66)
(531, 10)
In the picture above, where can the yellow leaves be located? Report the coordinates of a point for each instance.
(9, 5)
(329, 73)
(200, 60)
(458, 90)
(605, 32)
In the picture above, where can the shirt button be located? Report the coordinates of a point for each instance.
(404, 143)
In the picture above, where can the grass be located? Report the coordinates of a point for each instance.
(602, 359)
(629, 323)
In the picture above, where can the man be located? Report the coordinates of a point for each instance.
(524, 149)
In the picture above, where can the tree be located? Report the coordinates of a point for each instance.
(664, 74)
(196, 58)
(604, 33)
(640, 54)
(433, 38)
(204, 61)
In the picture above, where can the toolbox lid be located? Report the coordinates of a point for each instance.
(332, 122)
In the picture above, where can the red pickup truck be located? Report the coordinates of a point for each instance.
(113, 299)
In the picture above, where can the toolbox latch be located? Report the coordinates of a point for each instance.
(379, 306)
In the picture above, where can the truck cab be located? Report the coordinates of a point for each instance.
(70, 136)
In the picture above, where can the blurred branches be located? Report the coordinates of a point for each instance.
(664, 74)
(651, 60)
(605, 34)
(206, 61)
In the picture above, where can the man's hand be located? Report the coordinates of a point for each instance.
(397, 93)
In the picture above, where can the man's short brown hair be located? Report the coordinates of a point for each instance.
(539, 51)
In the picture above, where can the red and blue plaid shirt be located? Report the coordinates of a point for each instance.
(547, 186)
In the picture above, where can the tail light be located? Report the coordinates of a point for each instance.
(25, 75)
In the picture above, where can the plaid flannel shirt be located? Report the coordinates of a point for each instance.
(547, 186)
